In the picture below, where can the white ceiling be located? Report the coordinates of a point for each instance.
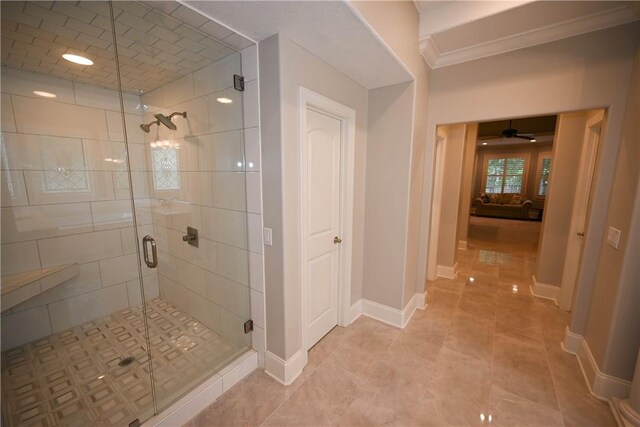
(456, 32)
(328, 29)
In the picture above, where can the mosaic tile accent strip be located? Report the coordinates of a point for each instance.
(73, 378)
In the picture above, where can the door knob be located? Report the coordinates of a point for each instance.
(337, 240)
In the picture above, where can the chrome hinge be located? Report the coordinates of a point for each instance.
(238, 82)
(248, 326)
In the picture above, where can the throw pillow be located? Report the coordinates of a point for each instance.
(484, 197)
(494, 198)
(516, 199)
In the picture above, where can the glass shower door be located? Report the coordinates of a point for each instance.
(190, 175)
(75, 347)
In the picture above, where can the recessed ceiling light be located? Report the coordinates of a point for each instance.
(44, 94)
(484, 143)
(77, 59)
(224, 100)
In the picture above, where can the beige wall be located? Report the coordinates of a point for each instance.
(284, 67)
(578, 73)
(454, 148)
(270, 141)
(556, 221)
(468, 181)
(388, 153)
(613, 318)
(397, 24)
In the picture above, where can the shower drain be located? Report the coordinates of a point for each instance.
(126, 361)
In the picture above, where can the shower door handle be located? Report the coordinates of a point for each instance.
(154, 252)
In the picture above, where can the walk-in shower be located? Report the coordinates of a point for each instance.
(91, 335)
(161, 118)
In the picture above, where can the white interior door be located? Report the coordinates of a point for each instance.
(580, 209)
(323, 139)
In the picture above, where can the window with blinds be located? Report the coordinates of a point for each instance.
(543, 180)
(505, 175)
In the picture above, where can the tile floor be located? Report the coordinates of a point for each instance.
(483, 353)
(73, 378)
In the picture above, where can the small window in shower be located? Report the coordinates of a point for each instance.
(166, 161)
(65, 169)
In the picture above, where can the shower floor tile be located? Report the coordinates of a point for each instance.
(73, 378)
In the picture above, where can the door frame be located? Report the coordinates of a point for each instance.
(588, 157)
(436, 203)
(347, 117)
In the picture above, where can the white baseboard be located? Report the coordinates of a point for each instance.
(421, 300)
(284, 371)
(389, 315)
(542, 290)
(206, 393)
(624, 414)
(447, 272)
(603, 386)
(571, 342)
(356, 311)
(383, 313)
(462, 244)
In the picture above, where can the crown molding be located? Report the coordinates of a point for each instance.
(598, 21)
(430, 51)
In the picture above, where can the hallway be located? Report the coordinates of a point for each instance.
(483, 352)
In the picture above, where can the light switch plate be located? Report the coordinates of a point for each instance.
(613, 237)
(268, 236)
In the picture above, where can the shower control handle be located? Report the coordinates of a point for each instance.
(154, 252)
(191, 237)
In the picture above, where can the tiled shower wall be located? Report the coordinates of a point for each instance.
(211, 183)
(213, 283)
(65, 199)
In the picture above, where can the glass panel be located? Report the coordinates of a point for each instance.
(513, 184)
(495, 167)
(75, 346)
(543, 185)
(508, 171)
(165, 163)
(494, 184)
(513, 175)
(190, 172)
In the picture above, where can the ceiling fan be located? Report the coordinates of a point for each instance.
(513, 133)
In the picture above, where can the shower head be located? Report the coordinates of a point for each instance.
(147, 126)
(167, 120)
